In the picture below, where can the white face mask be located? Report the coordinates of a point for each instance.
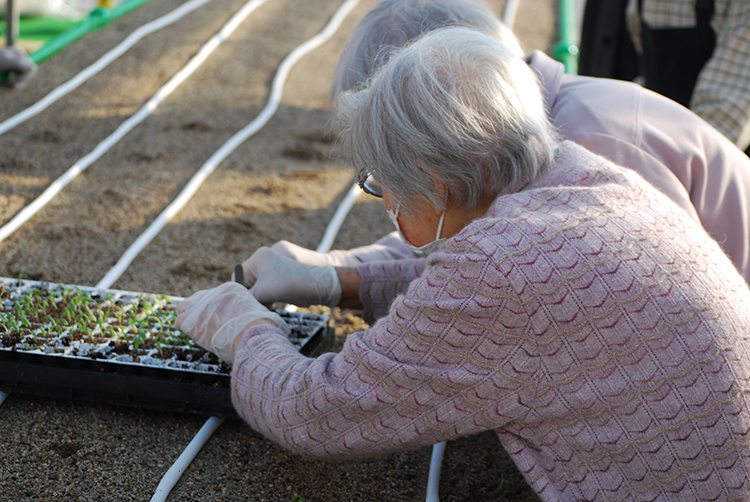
(421, 251)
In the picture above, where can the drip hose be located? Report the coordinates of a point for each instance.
(175, 472)
(509, 14)
(338, 218)
(57, 186)
(227, 148)
(100, 64)
(433, 480)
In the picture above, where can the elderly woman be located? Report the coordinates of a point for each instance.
(671, 147)
(570, 307)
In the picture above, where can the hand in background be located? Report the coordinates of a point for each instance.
(336, 257)
(16, 61)
(274, 277)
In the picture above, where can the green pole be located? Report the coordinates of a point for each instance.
(566, 51)
(98, 18)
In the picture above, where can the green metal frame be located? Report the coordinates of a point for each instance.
(566, 51)
(98, 18)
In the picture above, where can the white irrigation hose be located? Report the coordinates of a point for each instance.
(56, 187)
(100, 64)
(338, 218)
(95, 68)
(230, 146)
(509, 14)
(175, 472)
(433, 480)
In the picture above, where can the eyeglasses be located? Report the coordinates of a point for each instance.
(370, 186)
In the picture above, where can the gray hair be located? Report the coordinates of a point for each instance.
(393, 23)
(456, 106)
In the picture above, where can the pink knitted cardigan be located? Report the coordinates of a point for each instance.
(587, 319)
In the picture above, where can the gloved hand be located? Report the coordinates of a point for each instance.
(336, 257)
(15, 60)
(214, 318)
(273, 277)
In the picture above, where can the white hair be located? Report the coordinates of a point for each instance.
(455, 105)
(393, 23)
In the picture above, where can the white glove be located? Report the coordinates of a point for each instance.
(214, 318)
(273, 277)
(15, 60)
(337, 257)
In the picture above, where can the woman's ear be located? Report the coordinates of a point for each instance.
(438, 183)
(442, 189)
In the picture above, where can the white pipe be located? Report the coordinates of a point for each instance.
(100, 64)
(338, 219)
(56, 187)
(3, 395)
(433, 480)
(509, 14)
(175, 472)
(333, 228)
(227, 148)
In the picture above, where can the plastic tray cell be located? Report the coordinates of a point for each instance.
(118, 347)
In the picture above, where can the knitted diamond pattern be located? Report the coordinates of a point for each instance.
(587, 319)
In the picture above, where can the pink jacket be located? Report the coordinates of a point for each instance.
(589, 321)
(671, 147)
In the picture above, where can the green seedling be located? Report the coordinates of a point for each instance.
(24, 320)
(63, 317)
(140, 339)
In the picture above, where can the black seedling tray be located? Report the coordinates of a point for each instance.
(169, 373)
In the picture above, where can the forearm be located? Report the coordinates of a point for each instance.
(330, 406)
(397, 273)
(387, 248)
(382, 282)
(389, 387)
(259, 322)
(350, 281)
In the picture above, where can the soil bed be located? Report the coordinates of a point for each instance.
(281, 184)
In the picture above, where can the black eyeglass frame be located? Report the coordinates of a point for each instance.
(370, 186)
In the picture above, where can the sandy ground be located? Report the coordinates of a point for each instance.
(281, 184)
